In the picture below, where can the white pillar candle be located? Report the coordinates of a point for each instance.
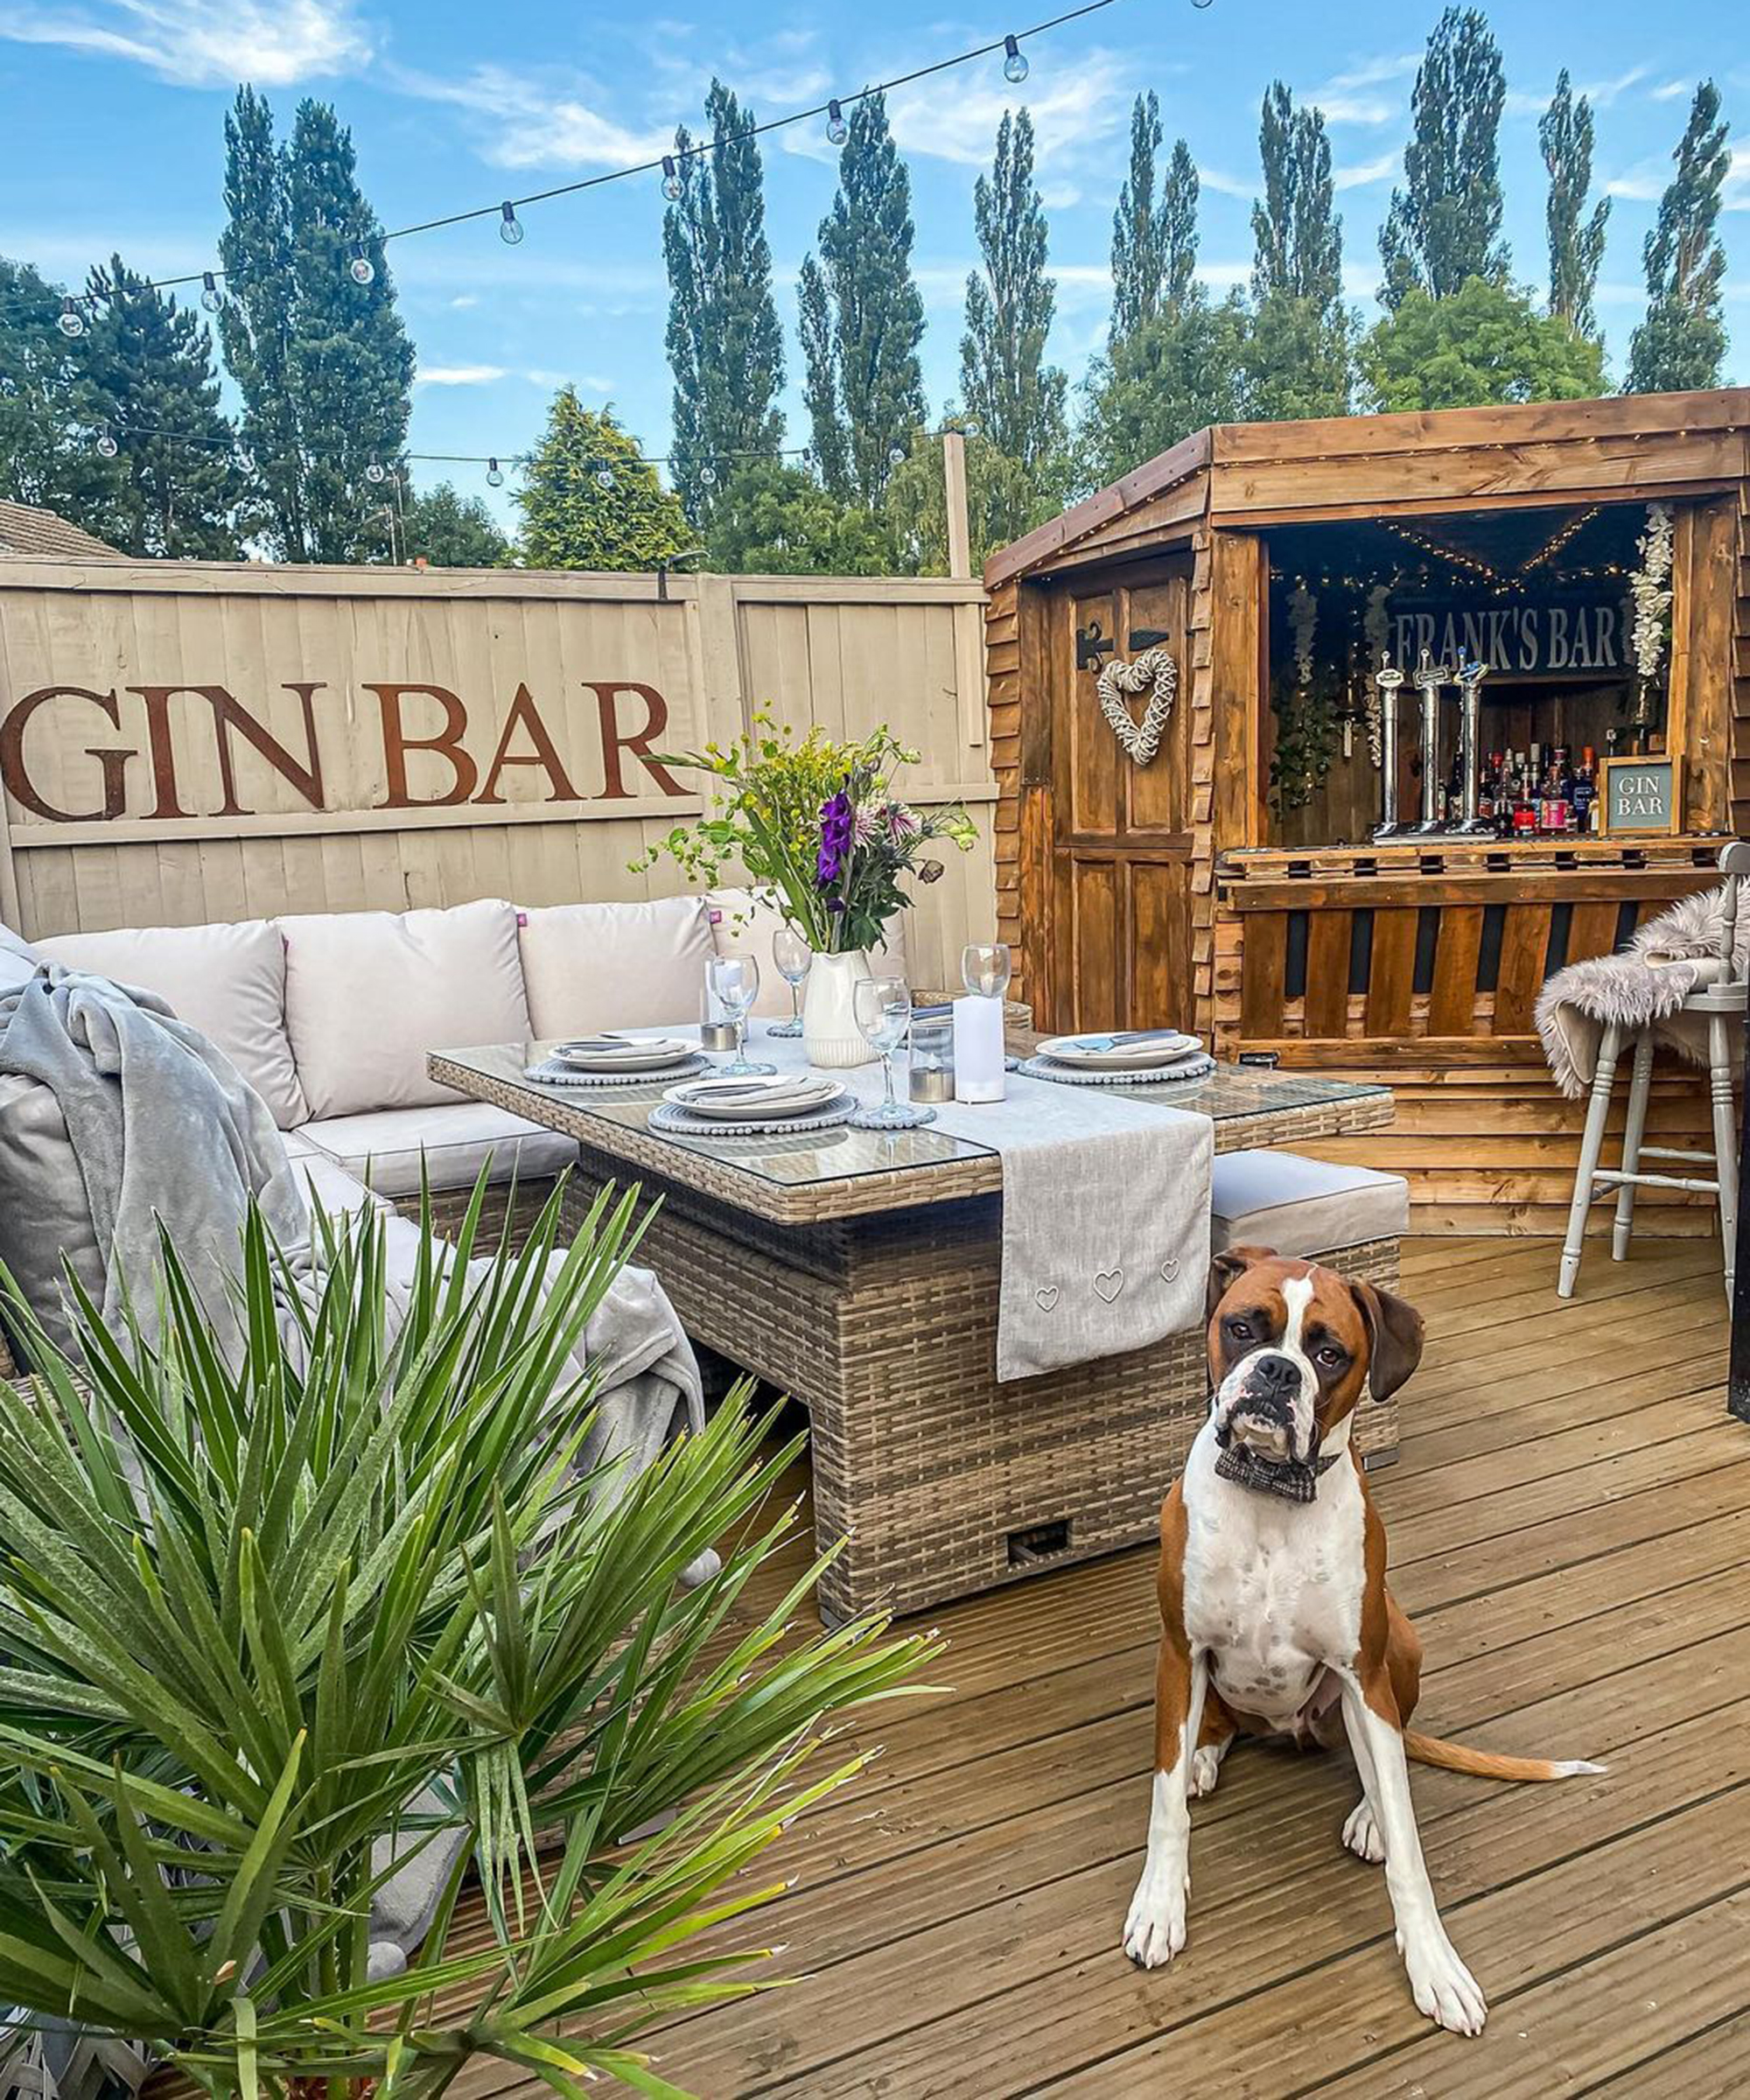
(978, 1073)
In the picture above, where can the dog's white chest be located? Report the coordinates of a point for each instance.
(1272, 1589)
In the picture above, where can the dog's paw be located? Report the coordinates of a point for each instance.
(1206, 1769)
(1361, 1833)
(1154, 1931)
(1443, 1987)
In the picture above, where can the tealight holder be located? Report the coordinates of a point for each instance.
(931, 1076)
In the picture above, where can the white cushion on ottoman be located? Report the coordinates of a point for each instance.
(639, 965)
(384, 1150)
(321, 1176)
(1300, 1207)
(227, 981)
(367, 994)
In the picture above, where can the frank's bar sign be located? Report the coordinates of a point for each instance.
(1553, 636)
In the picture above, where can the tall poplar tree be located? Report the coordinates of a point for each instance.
(1154, 229)
(726, 345)
(1564, 132)
(863, 320)
(151, 361)
(1299, 350)
(323, 362)
(590, 500)
(1007, 386)
(1443, 224)
(1682, 342)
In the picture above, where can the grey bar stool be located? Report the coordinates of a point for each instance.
(1721, 998)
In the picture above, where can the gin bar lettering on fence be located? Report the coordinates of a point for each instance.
(144, 744)
(1544, 635)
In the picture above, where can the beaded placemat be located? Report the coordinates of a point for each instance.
(669, 1121)
(1042, 1067)
(550, 1072)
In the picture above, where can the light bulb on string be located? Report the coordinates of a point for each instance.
(510, 227)
(1014, 62)
(71, 321)
(671, 179)
(708, 475)
(896, 455)
(970, 428)
(107, 446)
(494, 474)
(376, 471)
(362, 269)
(246, 459)
(603, 477)
(209, 292)
(837, 129)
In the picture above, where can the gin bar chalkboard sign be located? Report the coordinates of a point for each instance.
(1638, 794)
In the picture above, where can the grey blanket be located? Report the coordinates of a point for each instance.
(1642, 986)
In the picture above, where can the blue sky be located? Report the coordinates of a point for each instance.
(112, 112)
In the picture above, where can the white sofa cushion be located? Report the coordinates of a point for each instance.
(227, 981)
(1299, 1206)
(744, 923)
(384, 1148)
(636, 965)
(321, 1175)
(367, 994)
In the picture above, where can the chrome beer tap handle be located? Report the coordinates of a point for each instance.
(1471, 676)
(1388, 678)
(1430, 677)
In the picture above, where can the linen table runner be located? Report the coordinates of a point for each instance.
(1105, 1213)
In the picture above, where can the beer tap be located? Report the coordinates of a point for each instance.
(1430, 677)
(1388, 678)
(1471, 676)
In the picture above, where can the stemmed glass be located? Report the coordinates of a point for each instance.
(734, 982)
(794, 959)
(883, 1008)
(985, 967)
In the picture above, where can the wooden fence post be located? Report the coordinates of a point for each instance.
(954, 487)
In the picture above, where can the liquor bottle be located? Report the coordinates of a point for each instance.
(1488, 788)
(1586, 791)
(1525, 797)
(1555, 810)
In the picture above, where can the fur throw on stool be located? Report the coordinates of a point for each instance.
(1643, 984)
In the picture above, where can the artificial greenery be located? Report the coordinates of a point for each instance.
(1308, 726)
(255, 1616)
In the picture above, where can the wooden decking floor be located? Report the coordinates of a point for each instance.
(1569, 1524)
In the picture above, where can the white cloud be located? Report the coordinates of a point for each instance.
(205, 43)
(585, 382)
(1357, 96)
(1735, 192)
(1060, 197)
(1599, 94)
(1668, 91)
(539, 120)
(1644, 183)
(1224, 185)
(464, 300)
(459, 375)
(1361, 173)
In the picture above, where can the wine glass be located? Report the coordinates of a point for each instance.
(794, 959)
(883, 1008)
(985, 967)
(734, 982)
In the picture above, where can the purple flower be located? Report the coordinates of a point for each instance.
(838, 823)
(902, 823)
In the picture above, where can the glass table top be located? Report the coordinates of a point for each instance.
(1232, 1093)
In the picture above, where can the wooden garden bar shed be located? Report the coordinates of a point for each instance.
(1235, 883)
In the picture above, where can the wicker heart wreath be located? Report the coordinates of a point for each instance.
(1153, 672)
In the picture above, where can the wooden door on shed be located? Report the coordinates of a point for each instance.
(1120, 874)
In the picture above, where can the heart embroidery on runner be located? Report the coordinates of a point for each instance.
(1169, 1270)
(1046, 1297)
(1154, 672)
(1108, 1283)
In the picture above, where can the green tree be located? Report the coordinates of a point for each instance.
(151, 361)
(1300, 352)
(1564, 132)
(862, 318)
(452, 531)
(322, 361)
(1001, 503)
(726, 345)
(1485, 343)
(1154, 229)
(1682, 342)
(772, 519)
(1009, 390)
(590, 500)
(1169, 377)
(1444, 226)
(51, 413)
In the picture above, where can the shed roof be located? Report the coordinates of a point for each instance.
(1255, 473)
(31, 535)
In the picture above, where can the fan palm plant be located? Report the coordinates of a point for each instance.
(263, 1608)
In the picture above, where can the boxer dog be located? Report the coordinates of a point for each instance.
(1275, 1615)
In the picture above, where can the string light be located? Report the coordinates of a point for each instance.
(708, 475)
(362, 269)
(494, 474)
(510, 227)
(71, 321)
(603, 477)
(1014, 62)
(209, 292)
(671, 179)
(837, 129)
(896, 455)
(107, 446)
(376, 471)
(1559, 539)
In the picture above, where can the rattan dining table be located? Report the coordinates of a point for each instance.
(856, 1271)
